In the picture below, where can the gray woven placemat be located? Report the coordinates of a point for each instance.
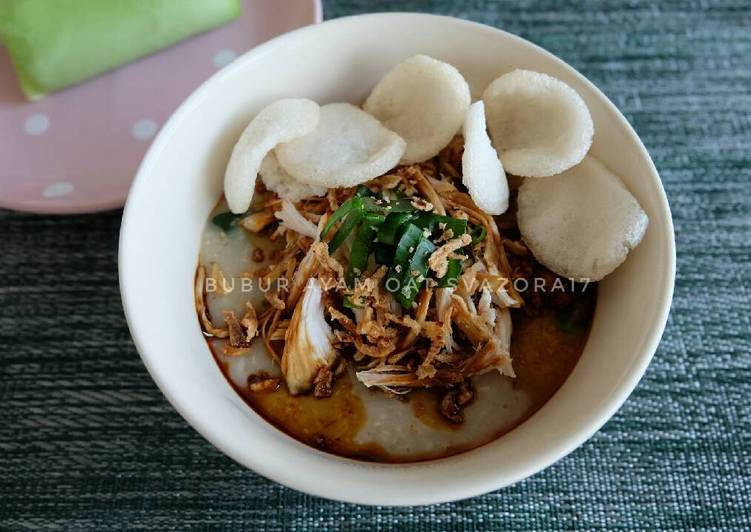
(87, 441)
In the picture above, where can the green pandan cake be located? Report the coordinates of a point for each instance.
(56, 43)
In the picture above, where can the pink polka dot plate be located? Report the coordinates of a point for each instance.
(77, 150)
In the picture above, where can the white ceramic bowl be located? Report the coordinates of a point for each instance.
(180, 180)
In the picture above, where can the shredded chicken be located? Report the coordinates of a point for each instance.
(323, 383)
(304, 272)
(439, 259)
(202, 308)
(258, 221)
(426, 189)
(495, 353)
(400, 379)
(262, 382)
(273, 298)
(387, 182)
(291, 219)
(239, 336)
(217, 280)
(308, 341)
(421, 313)
(453, 403)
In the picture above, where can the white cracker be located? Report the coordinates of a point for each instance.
(281, 121)
(582, 223)
(425, 101)
(482, 171)
(293, 220)
(286, 187)
(539, 125)
(348, 147)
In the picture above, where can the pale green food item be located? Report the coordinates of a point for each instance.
(57, 43)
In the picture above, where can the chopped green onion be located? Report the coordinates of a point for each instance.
(399, 236)
(347, 303)
(433, 221)
(376, 206)
(383, 254)
(363, 191)
(226, 220)
(389, 231)
(452, 274)
(344, 230)
(407, 244)
(358, 257)
(478, 234)
(401, 205)
(410, 267)
(373, 218)
(417, 270)
(352, 204)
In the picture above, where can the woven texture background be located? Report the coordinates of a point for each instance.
(87, 441)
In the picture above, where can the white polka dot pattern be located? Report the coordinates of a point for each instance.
(57, 190)
(144, 129)
(36, 124)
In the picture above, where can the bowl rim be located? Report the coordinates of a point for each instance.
(557, 450)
